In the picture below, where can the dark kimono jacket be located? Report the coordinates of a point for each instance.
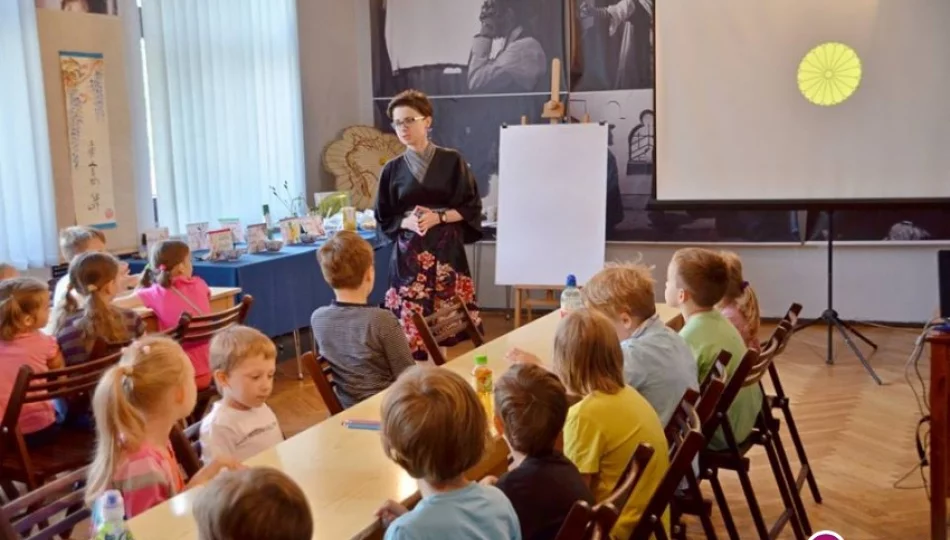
(429, 270)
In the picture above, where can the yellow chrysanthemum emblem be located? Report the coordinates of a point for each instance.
(829, 74)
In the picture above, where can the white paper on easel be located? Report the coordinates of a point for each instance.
(552, 192)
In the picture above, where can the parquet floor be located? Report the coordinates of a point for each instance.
(859, 436)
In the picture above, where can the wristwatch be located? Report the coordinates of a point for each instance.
(442, 216)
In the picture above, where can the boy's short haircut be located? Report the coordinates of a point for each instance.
(259, 502)
(703, 273)
(532, 405)
(75, 240)
(433, 424)
(345, 259)
(7, 269)
(622, 288)
(231, 346)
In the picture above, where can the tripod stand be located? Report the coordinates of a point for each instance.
(830, 317)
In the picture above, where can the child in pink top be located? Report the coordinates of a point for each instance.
(170, 290)
(24, 310)
(740, 304)
(133, 452)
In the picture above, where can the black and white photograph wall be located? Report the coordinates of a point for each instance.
(612, 45)
(882, 225)
(101, 7)
(465, 47)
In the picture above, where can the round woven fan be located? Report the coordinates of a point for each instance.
(357, 159)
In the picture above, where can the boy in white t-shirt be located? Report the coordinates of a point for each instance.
(241, 425)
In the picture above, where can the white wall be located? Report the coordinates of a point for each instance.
(873, 281)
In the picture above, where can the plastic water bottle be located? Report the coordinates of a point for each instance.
(484, 383)
(108, 517)
(571, 297)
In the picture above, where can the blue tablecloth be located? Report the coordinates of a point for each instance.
(287, 286)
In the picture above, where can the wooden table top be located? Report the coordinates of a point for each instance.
(343, 472)
(131, 301)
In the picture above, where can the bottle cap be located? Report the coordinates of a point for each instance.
(571, 280)
(481, 360)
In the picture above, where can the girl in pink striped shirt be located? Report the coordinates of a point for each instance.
(170, 289)
(136, 404)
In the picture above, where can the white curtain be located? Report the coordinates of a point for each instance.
(224, 96)
(27, 212)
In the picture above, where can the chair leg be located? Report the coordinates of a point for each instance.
(752, 501)
(706, 521)
(298, 353)
(800, 451)
(786, 470)
(723, 505)
(784, 491)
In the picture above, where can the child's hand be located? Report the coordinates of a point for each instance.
(517, 356)
(488, 480)
(390, 510)
(209, 471)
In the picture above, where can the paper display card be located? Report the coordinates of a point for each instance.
(290, 230)
(154, 236)
(221, 241)
(256, 237)
(234, 224)
(312, 225)
(198, 236)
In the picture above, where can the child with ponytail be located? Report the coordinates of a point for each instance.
(136, 404)
(169, 289)
(94, 278)
(740, 304)
(24, 310)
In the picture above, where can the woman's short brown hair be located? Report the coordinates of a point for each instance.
(587, 356)
(621, 288)
(433, 424)
(344, 260)
(532, 405)
(703, 273)
(260, 502)
(413, 99)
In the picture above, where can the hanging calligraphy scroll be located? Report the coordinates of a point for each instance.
(90, 160)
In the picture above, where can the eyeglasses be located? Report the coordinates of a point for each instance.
(407, 122)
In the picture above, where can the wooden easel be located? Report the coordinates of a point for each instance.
(554, 111)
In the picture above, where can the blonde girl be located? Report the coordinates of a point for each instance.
(24, 310)
(740, 304)
(611, 419)
(136, 404)
(169, 289)
(94, 276)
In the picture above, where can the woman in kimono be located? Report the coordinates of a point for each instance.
(428, 205)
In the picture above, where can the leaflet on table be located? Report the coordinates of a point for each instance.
(221, 242)
(198, 236)
(256, 238)
(234, 224)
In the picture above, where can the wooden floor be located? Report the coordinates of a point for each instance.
(859, 436)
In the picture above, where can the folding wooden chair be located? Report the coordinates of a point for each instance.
(450, 320)
(71, 449)
(579, 523)
(780, 400)
(35, 510)
(687, 442)
(322, 376)
(200, 329)
(187, 447)
(607, 512)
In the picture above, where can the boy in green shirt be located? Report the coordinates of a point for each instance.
(696, 281)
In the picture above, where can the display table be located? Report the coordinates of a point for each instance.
(287, 286)
(343, 472)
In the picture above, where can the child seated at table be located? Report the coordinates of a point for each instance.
(24, 309)
(7, 272)
(542, 484)
(435, 428)
(611, 419)
(73, 242)
(241, 425)
(364, 345)
(169, 289)
(656, 361)
(136, 404)
(696, 281)
(93, 277)
(739, 303)
(252, 504)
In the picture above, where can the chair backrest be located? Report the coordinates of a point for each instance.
(187, 447)
(63, 494)
(687, 442)
(198, 328)
(790, 321)
(319, 370)
(764, 361)
(686, 404)
(732, 388)
(676, 323)
(450, 320)
(578, 523)
(617, 500)
(718, 369)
